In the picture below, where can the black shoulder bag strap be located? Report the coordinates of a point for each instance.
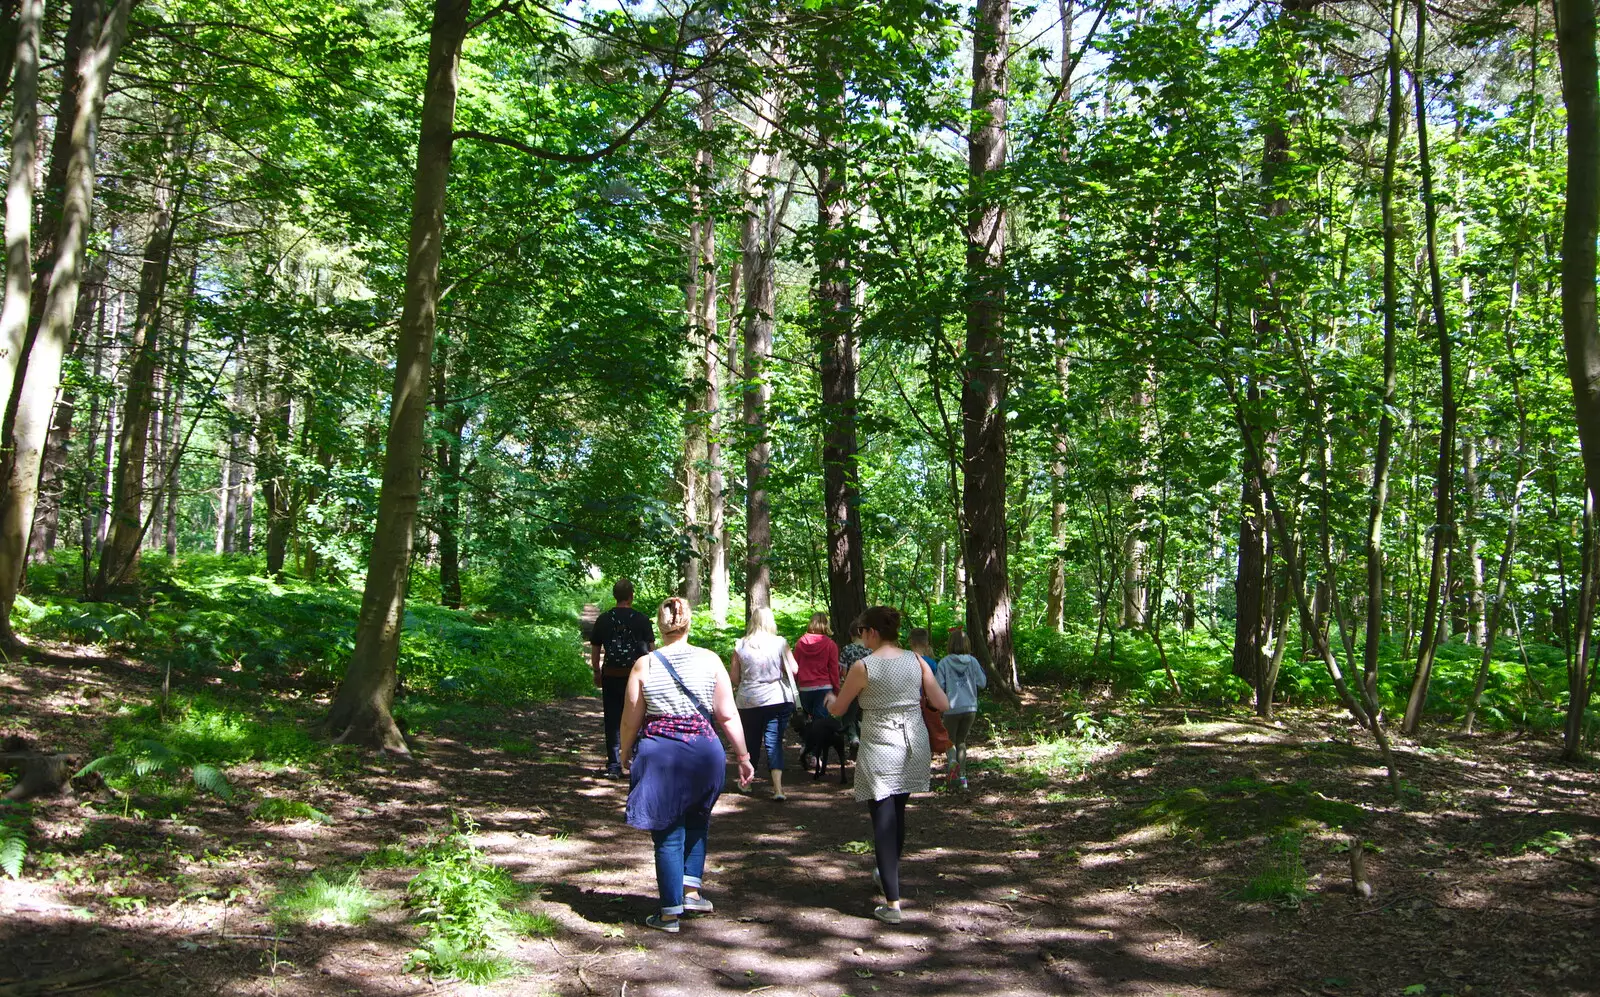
(692, 697)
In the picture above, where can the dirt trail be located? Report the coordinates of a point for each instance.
(1124, 882)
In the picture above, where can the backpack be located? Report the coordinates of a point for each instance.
(622, 646)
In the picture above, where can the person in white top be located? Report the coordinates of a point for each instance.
(892, 684)
(763, 675)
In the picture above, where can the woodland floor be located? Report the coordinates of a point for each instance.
(1110, 876)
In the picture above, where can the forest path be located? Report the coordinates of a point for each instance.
(1124, 880)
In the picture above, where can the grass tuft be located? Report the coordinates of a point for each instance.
(1282, 876)
(321, 901)
(279, 810)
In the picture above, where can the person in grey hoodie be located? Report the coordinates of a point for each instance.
(960, 676)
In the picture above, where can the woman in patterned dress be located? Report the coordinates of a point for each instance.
(675, 696)
(894, 758)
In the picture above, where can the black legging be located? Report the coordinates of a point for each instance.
(889, 839)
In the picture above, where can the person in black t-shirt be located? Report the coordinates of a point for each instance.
(622, 635)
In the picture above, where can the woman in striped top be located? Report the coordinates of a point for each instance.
(677, 696)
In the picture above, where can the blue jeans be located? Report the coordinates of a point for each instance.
(680, 860)
(811, 701)
(767, 723)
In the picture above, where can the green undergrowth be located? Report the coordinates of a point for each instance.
(471, 910)
(221, 615)
(1246, 807)
(1517, 695)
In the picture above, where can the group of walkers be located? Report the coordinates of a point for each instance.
(666, 702)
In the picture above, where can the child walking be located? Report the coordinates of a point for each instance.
(960, 676)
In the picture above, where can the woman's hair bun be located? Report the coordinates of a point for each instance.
(674, 615)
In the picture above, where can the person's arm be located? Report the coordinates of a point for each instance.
(633, 710)
(735, 668)
(794, 666)
(983, 678)
(596, 643)
(649, 634)
(722, 706)
(932, 690)
(833, 665)
(853, 684)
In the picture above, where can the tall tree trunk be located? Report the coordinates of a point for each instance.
(82, 31)
(35, 394)
(180, 381)
(1391, 304)
(119, 561)
(716, 540)
(759, 236)
(276, 414)
(695, 419)
(361, 712)
(1056, 585)
(1444, 478)
(984, 388)
(1135, 553)
(847, 583)
(12, 28)
(57, 447)
(19, 190)
(232, 466)
(447, 480)
(1575, 41)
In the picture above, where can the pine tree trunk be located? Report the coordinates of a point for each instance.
(35, 394)
(1444, 478)
(361, 713)
(759, 235)
(119, 561)
(1575, 41)
(984, 387)
(19, 188)
(1391, 300)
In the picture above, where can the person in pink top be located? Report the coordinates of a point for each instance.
(818, 658)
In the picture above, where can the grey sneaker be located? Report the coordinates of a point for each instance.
(887, 914)
(660, 923)
(697, 905)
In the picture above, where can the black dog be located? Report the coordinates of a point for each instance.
(820, 736)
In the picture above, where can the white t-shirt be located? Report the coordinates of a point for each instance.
(761, 670)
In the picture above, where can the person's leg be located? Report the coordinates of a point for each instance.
(750, 720)
(900, 800)
(696, 829)
(811, 701)
(669, 869)
(777, 718)
(886, 845)
(612, 693)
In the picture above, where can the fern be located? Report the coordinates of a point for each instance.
(150, 759)
(14, 829)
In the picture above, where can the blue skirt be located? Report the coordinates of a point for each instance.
(677, 774)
